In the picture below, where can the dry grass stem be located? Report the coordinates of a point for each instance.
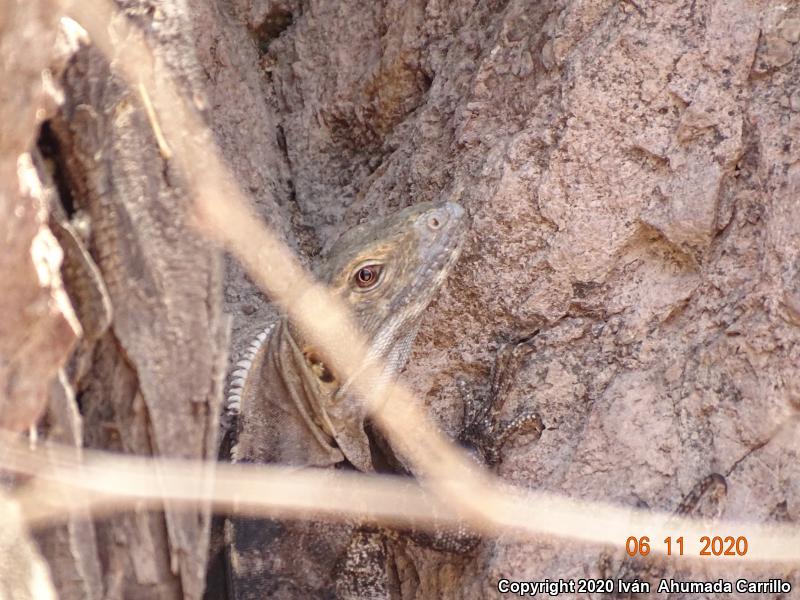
(223, 213)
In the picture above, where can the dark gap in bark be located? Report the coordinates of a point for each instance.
(275, 22)
(49, 146)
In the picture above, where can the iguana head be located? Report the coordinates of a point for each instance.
(387, 272)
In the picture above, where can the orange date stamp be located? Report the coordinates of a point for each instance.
(707, 545)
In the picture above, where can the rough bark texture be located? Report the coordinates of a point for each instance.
(153, 383)
(147, 290)
(632, 172)
(40, 326)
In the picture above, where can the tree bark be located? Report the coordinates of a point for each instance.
(152, 385)
(631, 174)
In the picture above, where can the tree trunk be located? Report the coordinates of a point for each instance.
(631, 170)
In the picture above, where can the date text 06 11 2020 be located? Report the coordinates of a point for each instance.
(708, 546)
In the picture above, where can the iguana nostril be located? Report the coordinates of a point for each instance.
(434, 222)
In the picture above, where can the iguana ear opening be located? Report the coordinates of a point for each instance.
(317, 366)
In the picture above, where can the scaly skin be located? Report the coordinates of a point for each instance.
(295, 410)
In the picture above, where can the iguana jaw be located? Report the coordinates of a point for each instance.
(416, 249)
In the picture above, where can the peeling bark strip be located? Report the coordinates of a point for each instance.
(153, 386)
(39, 327)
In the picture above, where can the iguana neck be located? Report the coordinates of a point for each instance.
(282, 394)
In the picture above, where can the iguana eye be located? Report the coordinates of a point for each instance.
(367, 277)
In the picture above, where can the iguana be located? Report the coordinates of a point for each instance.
(293, 409)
